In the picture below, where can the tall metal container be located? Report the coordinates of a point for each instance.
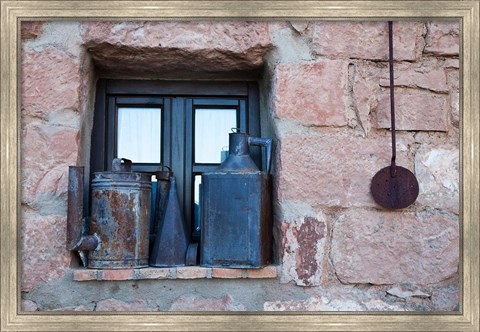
(120, 214)
(236, 209)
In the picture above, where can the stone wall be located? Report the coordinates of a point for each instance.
(324, 99)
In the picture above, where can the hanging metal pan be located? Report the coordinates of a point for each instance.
(394, 187)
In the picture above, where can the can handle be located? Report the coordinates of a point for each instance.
(265, 142)
(121, 165)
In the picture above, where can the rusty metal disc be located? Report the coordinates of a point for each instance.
(394, 189)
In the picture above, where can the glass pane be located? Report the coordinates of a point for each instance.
(197, 202)
(138, 134)
(212, 127)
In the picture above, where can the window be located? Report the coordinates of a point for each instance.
(183, 125)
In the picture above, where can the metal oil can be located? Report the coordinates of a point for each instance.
(236, 225)
(120, 215)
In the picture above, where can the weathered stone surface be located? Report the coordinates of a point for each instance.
(43, 254)
(62, 35)
(368, 40)
(442, 38)
(304, 248)
(47, 151)
(75, 308)
(437, 168)
(405, 292)
(446, 297)
(50, 81)
(419, 111)
(334, 168)
(366, 80)
(169, 47)
(312, 93)
(312, 304)
(300, 26)
(379, 305)
(29, 306)
(388, 247)
(455, 108)
(200, 303)
(64, 117)
(363, 85)
(289, 46)
(412, 76)
(118, 305)
(452, 63)
(31, 29)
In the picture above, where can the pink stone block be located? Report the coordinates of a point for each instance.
(311, 93)
(388, 247)
(333, 168)
(174, 47)
(43, 254)
(419, 111)
(433, 79)
(50, 81)
(442, 38)
(437, 168)
(368, 40)
(47, 151)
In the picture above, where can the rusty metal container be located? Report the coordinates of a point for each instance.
(236, 209)
(120, 215)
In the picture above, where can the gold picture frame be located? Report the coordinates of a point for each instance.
(12, 319)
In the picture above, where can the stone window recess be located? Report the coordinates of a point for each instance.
(180, 124)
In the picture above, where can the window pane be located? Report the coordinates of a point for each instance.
(197, 213)
(138, 134)
(212, 127)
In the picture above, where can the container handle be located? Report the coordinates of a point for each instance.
(265, 142)
(121, 165)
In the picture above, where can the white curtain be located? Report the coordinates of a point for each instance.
(212, 127)
(138, 134)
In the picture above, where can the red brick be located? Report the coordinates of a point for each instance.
(191, 272)
(84, 274)
(127, 274)
(225, 273)
(266, 272)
